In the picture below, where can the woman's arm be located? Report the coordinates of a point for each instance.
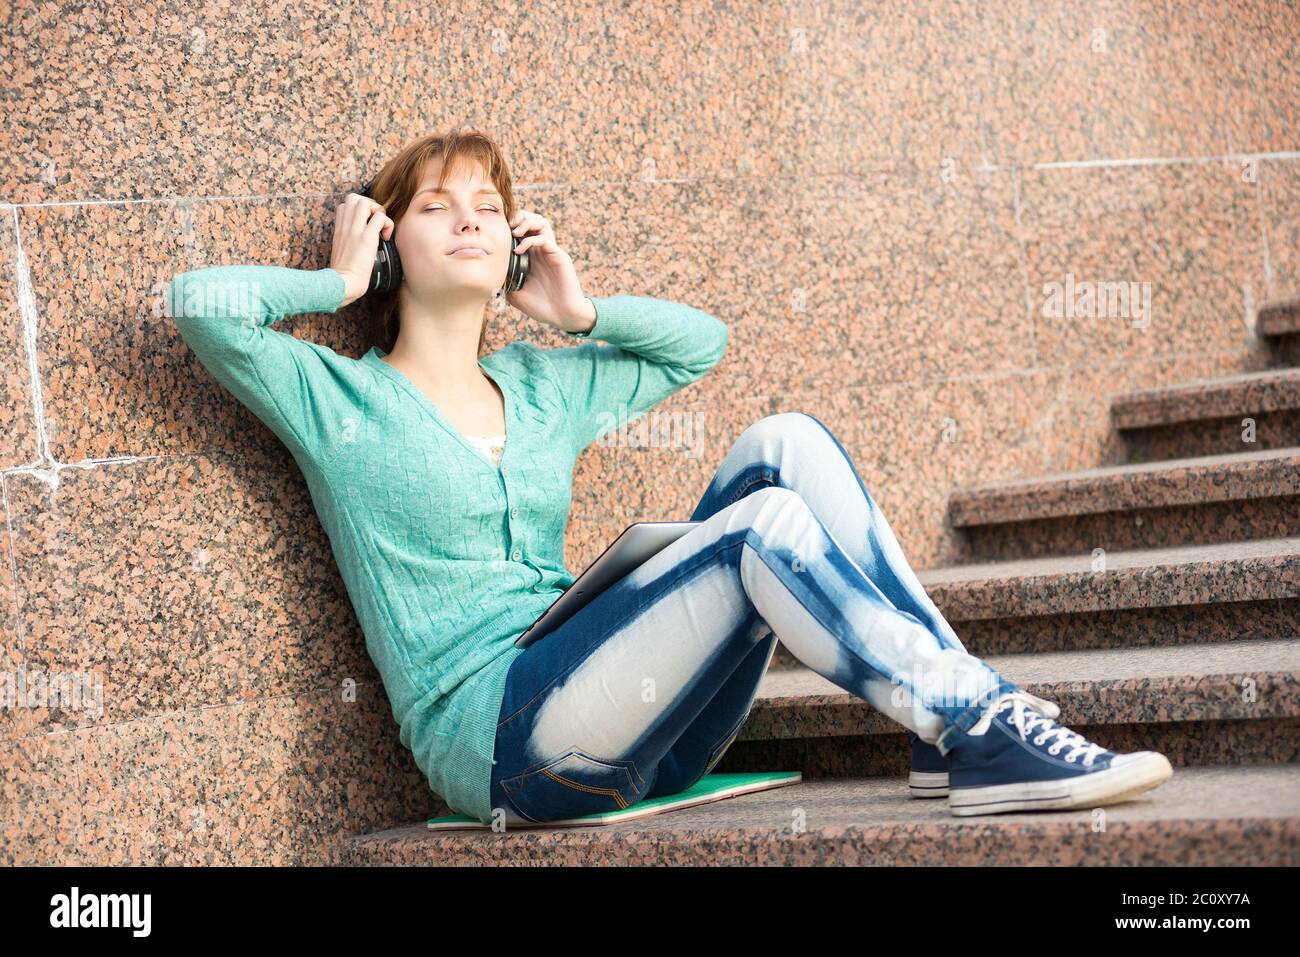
(224, 314)
(656, 347)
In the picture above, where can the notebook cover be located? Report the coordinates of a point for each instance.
(711, 787)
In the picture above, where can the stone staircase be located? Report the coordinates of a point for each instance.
(1157, 601)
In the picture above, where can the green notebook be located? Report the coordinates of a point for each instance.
(711, 787)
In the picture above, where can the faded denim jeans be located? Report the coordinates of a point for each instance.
(641, 692)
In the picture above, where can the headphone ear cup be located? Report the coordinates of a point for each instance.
(386, 275)
(518, 271)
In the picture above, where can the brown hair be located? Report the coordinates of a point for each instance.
(394, 188)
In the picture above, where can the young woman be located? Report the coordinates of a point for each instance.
(444, 480)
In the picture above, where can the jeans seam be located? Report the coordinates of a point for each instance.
(744, 489)
(716, 752)
(515, 805)
(590, 789)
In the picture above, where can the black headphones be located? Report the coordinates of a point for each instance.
(387, 274)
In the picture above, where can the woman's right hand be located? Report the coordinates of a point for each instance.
(358, 223)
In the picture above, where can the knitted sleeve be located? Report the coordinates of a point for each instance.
(656, 347)
(224, 314)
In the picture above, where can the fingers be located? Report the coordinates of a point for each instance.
(525, 220)
(538, 229)
(353, 215)
(544, 237)
(545, 240)
(377, 223)
(363, 214)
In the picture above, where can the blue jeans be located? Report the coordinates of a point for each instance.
(641, 692)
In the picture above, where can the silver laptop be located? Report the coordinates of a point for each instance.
(637, 543)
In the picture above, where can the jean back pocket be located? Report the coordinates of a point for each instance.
(572, 785)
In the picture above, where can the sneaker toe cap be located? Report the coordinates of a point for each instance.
(1156, 762)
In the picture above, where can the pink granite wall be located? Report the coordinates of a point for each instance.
(872, 195)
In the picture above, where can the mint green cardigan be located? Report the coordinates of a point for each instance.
(447, 558)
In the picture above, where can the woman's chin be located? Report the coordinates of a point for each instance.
(459, 287)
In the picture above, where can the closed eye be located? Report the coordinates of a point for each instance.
(429, 209)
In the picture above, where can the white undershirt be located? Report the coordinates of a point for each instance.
(490, 445)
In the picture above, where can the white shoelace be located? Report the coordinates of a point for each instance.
(1025, 718)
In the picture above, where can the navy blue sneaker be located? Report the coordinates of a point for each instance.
(928, 775)
(1018, 759)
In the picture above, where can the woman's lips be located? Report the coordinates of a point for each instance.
(476, 253)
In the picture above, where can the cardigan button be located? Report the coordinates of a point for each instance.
(517, 554)
(514, 512)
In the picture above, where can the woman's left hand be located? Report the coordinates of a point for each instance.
(552, 293)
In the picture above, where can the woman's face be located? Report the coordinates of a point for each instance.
(468, 212)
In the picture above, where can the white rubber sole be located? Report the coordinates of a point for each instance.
(927, 784)
(1130, 774)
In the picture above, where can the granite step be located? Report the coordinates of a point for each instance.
(1279, 325)
(1206, 416)
(1238, 815)
(1254, 570)
(1280, 318)
(1224, 703)
(1186, 595)
(1190, 594)
(1245, 394)
(1211, 499)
